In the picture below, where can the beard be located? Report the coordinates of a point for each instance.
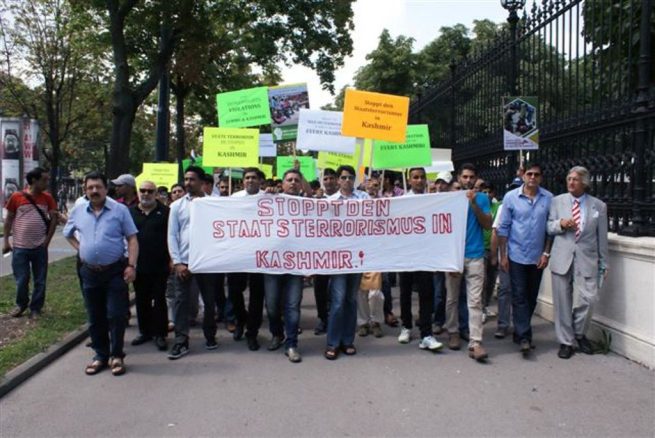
(148, 203)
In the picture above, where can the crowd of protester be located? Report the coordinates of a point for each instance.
(128, 233)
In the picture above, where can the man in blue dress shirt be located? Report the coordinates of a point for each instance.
(103, 225)
(525, 248)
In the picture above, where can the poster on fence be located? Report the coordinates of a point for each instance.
(285, 102)
(302, 236)
(520, 128)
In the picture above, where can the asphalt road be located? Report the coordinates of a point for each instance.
(387, 389)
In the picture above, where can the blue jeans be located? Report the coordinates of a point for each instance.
(23, 259)
(439, 284)
(504, 300)
(342, 318)
(284, 292)
(386, 291)
(525, 280)
(106, 300)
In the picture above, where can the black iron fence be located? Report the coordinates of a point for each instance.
(590, 63)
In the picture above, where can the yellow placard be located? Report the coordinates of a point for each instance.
(162, 174)
(230, 147)
(333, 160)
(267, 169)
(375, 115)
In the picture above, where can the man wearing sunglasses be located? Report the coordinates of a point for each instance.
(151, 219)
(342, 317)
(525, 249)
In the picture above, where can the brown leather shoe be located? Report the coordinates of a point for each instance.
(453, 341)
(477, 352)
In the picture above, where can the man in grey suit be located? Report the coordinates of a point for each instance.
(579, 261)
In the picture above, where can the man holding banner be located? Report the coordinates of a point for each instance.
(479, 218)
(321, 291)
(178, 247)
(343, 287)
(285, 291)
(423, 279)
(238, 281)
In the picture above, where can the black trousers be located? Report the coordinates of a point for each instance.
(322, 296)
(236, 285)
(151, 309)
(424, 283)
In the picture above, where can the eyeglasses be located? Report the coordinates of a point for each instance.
(146, 191)
(535, 174)
(347, 177)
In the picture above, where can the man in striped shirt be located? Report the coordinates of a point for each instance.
(32, 217)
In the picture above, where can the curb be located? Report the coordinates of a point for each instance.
(32, 366)
(36, 363)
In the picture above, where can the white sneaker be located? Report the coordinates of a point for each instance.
(430, 343)
(405, 335)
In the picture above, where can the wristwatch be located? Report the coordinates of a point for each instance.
(546, 254)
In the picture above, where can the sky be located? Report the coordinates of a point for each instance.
(419, 19)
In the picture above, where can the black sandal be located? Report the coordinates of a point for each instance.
(349, 350)
(331, 353)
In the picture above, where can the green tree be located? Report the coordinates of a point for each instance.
(38, 43)
(391, 67)
(314, 34)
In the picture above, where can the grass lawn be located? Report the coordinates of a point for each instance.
(63, 312)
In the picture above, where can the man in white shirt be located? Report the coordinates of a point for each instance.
(238, 281)
(342, 318)
(423, 280)
(178, 247)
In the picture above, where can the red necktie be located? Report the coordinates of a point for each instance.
(576, 217)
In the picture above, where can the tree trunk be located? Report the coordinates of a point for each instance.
(180, 92)
(123, 114)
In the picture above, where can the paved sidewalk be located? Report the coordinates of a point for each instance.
(59, 249)
(387, 389)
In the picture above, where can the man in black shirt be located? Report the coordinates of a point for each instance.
(151, 219)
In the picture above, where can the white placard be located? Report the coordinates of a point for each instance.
(320, 130)
(293, 235)
(267, 148)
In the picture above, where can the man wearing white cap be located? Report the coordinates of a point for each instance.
(126, 190)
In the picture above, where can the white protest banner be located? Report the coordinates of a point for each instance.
(267, 148)
(320, 130)
(293, 235)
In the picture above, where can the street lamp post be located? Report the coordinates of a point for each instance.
(513, 6)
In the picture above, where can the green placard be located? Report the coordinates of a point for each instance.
(230, 147)
(307, 166)
(415, 151)
(243, 108)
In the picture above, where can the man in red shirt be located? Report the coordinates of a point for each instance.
(32, 216)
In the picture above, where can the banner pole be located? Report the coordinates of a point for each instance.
(370, 161)
(404, 181)
(360, 159)
(229, 182)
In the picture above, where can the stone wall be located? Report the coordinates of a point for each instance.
(627, 301)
